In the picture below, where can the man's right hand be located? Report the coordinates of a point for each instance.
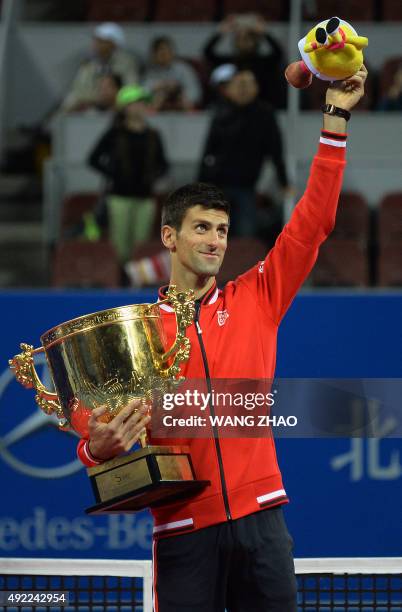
(107, 440)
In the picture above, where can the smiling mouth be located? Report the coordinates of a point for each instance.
(210, 254)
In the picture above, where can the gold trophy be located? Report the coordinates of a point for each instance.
(110, 358)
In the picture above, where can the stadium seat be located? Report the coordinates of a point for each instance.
(391, 10)
(275, 10)
(241, 254)
(185, 10)
(147, 249)
(118, 10)
(76, 205)
(85, 264)
(389, 273)
(353, 10)
(352, 218)
(390, 219)
(341, 263)
(387, 73)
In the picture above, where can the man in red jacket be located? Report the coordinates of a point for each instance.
(228, 547)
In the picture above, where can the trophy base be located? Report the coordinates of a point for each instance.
(151, 496)
(146, 478)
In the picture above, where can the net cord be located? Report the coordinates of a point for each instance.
(143, 569)
(349, 565)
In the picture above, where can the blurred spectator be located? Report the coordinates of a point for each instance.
(173, 82)
(38, 136)
(107, 90)
(392, 101)
(108, 57)
(130, 154)
(243, 133)
(220, 77)
(255, 49)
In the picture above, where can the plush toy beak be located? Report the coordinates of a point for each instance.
(357, 41)
(335, 38)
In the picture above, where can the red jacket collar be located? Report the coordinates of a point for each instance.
(208, 298)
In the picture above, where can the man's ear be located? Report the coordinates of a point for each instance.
(168, 236)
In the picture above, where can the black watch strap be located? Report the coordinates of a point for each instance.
(331, 109)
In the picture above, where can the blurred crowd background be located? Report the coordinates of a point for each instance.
(107, 106)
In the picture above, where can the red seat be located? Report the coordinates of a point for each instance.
(118, 10)
(241, 255)
(390, 265)
(352, 218)
(391, 10)
(86, 264)
(387, 73)
(341, 263)
(390, 219)
(274, 10)
(352, 10)
(147, 249)
(76, 205)
(185, 10)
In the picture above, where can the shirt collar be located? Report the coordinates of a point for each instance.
(208, 298)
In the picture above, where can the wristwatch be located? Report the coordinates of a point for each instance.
(331, 109)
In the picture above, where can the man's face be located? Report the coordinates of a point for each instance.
(200, 244)
(243, 88)
(103, 48)
(136, 110)
(163, 54)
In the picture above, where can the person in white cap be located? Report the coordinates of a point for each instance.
(108, 57)
(218, 81)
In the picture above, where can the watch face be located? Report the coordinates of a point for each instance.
(331, 109)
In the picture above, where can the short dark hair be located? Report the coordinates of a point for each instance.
(179, 201)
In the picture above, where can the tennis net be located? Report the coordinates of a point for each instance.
(341, 584)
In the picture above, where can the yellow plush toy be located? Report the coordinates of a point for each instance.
(331, 51)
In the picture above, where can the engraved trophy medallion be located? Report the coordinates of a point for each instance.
(110, 358)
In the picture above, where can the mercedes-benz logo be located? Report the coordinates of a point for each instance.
(38, 420)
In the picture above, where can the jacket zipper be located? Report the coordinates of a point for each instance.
(212, 411)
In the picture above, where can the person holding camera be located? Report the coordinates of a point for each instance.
(253, 48)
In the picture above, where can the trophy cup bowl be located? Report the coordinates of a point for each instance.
(109, 358)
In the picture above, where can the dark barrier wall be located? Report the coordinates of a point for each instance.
(346, 495)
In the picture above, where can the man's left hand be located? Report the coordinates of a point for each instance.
(346, 94)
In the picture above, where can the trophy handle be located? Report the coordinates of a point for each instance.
(184, 307)
(25, 372)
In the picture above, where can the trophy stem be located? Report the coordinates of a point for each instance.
(143, 439)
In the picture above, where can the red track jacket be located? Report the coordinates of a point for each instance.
(235, 336)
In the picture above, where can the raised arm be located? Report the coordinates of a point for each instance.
(291, 259)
